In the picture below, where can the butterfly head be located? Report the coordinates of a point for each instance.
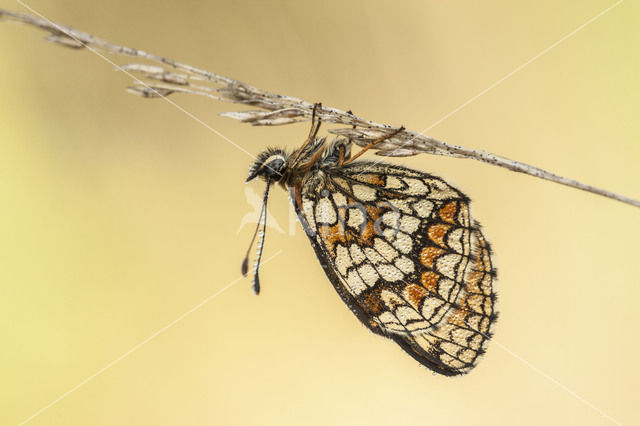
(270, 165)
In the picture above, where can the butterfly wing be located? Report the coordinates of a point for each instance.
(401, 250)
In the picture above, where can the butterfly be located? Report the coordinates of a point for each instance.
(398, 245)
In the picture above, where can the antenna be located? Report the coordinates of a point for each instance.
(262, 220)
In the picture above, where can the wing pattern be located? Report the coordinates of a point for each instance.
(402, 251)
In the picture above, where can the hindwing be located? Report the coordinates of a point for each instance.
(401, 249)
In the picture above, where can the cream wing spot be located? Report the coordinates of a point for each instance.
(339, 199)
(460, 335)
(467, 355)
(484, 325)
(488, 306)
(409, 224)
(390, 322)
(384, 169)
(473, 321)
(423, 208)
(416, 187)
(446, 265)
(394, 183)
(444, 288)
(390, 273)
(476, 341)
(457, 240)
(403, 242)
(463, 217)
(343, 259)
(391, 299)
(476, 302)
(307, 208)
(355, 283)
(356, 254)
(325, 213)
(418, 326)
(391, 219)
(382, 247)
(402, 205)
(373, 256)
(405, 264)
(441, 191)
(364, 193)
(430, 307)
(406, 314)
(355, 218)
(449, 348)
(340, 182)
(368, 274)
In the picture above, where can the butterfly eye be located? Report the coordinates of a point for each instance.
(274, 168)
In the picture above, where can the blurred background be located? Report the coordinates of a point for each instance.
(121, 214)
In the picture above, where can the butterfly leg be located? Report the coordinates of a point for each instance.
(374, 143)
(343, 155)
(313, 132)
(315, 122)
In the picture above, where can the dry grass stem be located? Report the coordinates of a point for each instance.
(165, 77)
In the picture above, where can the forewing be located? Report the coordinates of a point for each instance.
(401, 249)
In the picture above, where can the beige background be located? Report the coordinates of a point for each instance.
(120, 214)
